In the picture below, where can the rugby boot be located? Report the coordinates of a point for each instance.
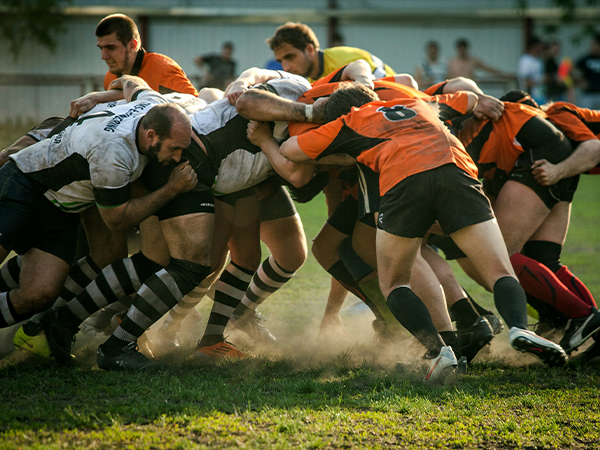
(222, 349)
(474, 338)
(441, 367)
(580, 330)
(251, 323)
(128, 358)
(591, 357)
(37, 345)
(495, 322)
(547, 351)
(60, 338)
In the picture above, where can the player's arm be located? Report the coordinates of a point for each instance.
(259, 133)
(292, 151)
(359, 71)
(126, 215)
(87, 102)
(461, 84)
(264, 106)
(129, 85)
(479, 64)
(585, 157)
(407, 80)
(249, 77)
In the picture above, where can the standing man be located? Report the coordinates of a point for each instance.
(92, 162)
(221, 67)
(464, 64)
(588, 71)
(530, 70)
(296, 47)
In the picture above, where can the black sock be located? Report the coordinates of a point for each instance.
(545, 252)
(413, 315)
(511, 302)
(463, 313)
(113, 346)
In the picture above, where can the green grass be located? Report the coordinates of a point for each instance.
(309, 394)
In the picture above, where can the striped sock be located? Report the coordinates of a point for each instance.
(10, 274)
(269, 277)
(159, 293)
(229, 291)
(184, 307)
(8, 315)
(117, 280)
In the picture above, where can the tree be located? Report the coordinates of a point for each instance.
(36, 20)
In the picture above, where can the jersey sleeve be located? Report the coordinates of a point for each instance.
(111, 167)
(571, 125)
(436, 89)
(452, 105)
(321, 141)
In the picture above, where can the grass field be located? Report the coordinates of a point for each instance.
(306, 393)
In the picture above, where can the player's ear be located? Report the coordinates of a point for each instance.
(151, 136)
(132, 46)
(309, 50)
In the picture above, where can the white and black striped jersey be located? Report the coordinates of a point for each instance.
(236, 163)
(94, 160)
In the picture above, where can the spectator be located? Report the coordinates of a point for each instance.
(464, 65)
(531, 70)
(221, 67)
(588, 75)
(555, 86)
(431, 71)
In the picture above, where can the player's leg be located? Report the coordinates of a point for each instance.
(237, 228)
(281, 230)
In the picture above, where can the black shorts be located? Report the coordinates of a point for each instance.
(541, 140)
(231, 198)
(344, 217)
(191, 202)
(29, 220)
(276, 205)
(446, 194)
(368, 192)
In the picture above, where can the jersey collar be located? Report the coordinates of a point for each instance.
(137, 65)
(321, 64)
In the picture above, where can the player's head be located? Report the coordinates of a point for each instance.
(227, 50)
(519, 96)
(345, 97)
(296, 47)
(168, 131)
(119, 41)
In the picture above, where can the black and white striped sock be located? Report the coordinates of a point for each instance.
(159, 293)
(117, 280)
(8, 315)
(10, 274)
(269, 278)
(229, 291)
(184, 307)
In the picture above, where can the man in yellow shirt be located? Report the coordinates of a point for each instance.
(296, 47)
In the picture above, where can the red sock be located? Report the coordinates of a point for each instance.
(542, 283)
(575, 285)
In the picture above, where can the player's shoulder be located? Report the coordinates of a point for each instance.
(159, 59)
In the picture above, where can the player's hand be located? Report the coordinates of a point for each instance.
(235, 90)
(83, 104)
(116, 84)
(258, 132)
(183, 178)
(365, 80)
(545, 173)
(488, 108)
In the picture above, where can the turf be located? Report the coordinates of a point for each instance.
(309, 393)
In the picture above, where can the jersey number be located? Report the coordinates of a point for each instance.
(397, 113)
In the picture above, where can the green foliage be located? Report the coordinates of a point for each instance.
(36, 20)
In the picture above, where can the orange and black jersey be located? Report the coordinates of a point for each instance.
(386, 88)
(160, 72)
(578, 124)
(396, 139)
(494, 145)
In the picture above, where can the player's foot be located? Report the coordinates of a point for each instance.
(60, 338)
(38, 344)
(251, 323)
(580, 330)
(495, 322)
(129, 358)
(591, 357)
(441, 367)
(527, 341)
(222, 349)
(472, 339)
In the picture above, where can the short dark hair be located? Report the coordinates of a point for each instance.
(519, 96)
(228, 45)
(160, 119)
(121, 24)
(297, 35)
(432, 44)
(345, 97)
(462, 42)
(533, 41)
